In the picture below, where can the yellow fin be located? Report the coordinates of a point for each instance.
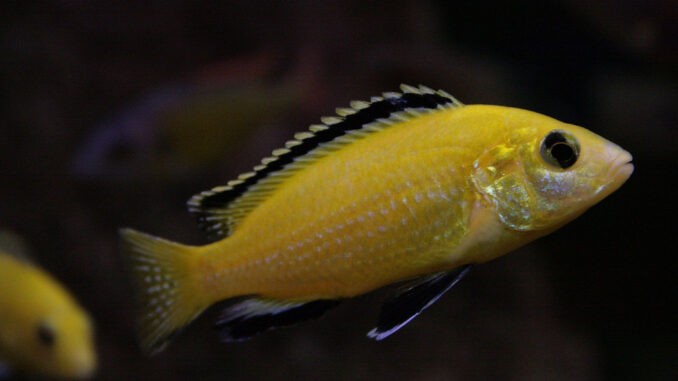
(166, 291)
(220, 209)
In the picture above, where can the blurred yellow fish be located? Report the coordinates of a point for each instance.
(185, 126)
(42, 328)
(409, 186)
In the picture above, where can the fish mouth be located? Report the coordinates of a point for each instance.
(623, 166)
(620, 170)
(625, 171)
(84, 365)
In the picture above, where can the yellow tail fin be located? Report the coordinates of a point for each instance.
(166, 289)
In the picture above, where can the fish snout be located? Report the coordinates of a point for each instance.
(619, 167)
(84, 365)
(622, 166)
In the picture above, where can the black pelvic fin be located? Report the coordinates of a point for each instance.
(253, 316)
(411, 300)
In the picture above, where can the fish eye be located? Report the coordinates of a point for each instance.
(560, 149)
(46, 335)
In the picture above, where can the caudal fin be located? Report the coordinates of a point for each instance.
(166, 289)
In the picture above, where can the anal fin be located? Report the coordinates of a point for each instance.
(253, 316)
(411, 300)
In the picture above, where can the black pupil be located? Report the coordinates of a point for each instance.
(563, 153)
(559, 149)
(46, 335)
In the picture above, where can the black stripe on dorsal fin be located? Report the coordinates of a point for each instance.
(214, 208)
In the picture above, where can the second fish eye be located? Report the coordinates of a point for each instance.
(559, 149)
(46, 335)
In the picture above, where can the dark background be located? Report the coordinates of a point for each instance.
(593, 301)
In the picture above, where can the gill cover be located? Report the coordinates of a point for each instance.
(531, 181)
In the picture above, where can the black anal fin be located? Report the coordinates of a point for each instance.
(253, 316)
(412, 300)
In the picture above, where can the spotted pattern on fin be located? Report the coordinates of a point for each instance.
(159, 271)
(210, 207)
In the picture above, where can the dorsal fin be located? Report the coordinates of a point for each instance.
(220, 209)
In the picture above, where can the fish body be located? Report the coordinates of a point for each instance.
(42, 328)
(407, 186)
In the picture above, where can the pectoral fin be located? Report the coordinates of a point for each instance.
(411, 300)
(253, 316)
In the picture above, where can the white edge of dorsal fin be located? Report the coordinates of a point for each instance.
(405, 88)
(223, 218)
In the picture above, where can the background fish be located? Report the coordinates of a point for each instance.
(42, 328)
(185, 127)
(410, 185)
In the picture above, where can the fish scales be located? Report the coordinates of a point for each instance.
(410, 164)
(413, 186)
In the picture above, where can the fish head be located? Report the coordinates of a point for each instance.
(66, 338)
(545, 173)
(55, 337)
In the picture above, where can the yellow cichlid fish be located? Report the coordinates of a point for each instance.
(43, 330)
(409, 186)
